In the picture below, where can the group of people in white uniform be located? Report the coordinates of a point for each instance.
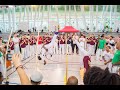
(86, 46)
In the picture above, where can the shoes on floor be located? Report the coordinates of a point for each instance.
(39, 58)
(44, 62)
(51, 55)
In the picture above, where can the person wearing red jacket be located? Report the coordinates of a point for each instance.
(31, 46)
(27, 48)
(40, 40)
(92, 44)
(34, 43)
(11, 46)
(62, 45)
(22, 46)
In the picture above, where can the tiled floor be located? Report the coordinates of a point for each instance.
(54, 71)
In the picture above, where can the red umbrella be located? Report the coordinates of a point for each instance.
(68, 29)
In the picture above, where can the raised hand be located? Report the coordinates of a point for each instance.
(16, 58)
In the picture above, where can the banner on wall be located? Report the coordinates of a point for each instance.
(24, 26)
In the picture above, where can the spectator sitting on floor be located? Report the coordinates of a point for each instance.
(72, 81)
(36, 78)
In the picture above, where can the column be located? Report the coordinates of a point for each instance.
(65, 14)
(83, 15)
(111, 16)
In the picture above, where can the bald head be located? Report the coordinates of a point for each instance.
(72, 81)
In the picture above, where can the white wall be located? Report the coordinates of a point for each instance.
(24, 26)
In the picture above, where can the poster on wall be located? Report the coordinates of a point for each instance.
(24, 26)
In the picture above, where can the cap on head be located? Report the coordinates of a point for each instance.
(36, 76)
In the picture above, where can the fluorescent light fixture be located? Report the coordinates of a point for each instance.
(10, 6)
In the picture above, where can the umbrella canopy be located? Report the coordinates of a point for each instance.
(68, 29)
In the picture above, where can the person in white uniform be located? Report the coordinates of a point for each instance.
(112, 43)
(62, 45)
(47, 48)
(31, 43)
(82, 43)
(27, 48)
(23, 47)
(108, 55)
(56, 46)
(16, 44)
(69, 47)
(2, 61)
(85, 57)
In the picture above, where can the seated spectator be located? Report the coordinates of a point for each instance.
(98, 76)
(72, 81)
(36, 78)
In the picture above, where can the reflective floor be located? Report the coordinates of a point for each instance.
(54, 71)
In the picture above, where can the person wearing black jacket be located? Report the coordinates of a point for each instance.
(69, 47)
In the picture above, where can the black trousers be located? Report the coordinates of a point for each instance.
(73, 48)
(96, 46)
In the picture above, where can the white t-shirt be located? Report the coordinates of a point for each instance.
(75, 37)
(107, 55)
(56, 41)
(111, 42)
(82, 42)
(16, 40)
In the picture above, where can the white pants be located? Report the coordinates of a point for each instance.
(62, 49)
(12, 51)
(31, 50)
(80, 53)
(99, 54)
(16, 48)
(88, 45)
(2, 67)
(115, 69)
(23, 53)
(39, 48)
(92, 49)
(69, 49)
(34, 49)
(83, 52)
(55, 48)
(27, 51)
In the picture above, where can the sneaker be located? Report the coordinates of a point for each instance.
(44, 62)
(39, 58)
